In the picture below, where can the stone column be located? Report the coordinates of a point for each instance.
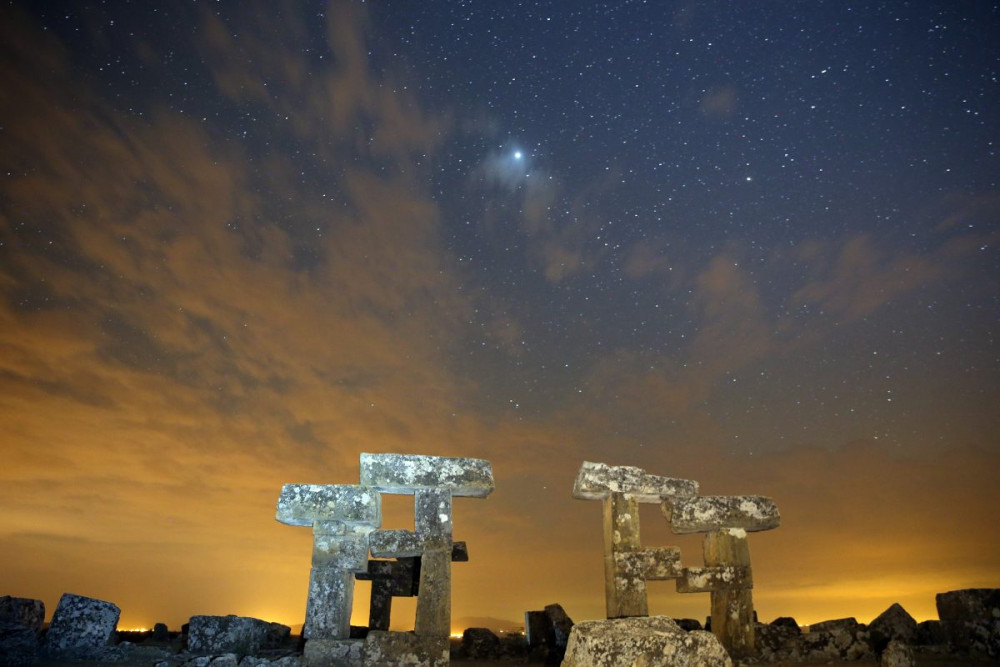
(627, 564)
(433, 482)
(727, 574)
(341, 516)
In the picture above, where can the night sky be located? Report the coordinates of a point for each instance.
(754, 244)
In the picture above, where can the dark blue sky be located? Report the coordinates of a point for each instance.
(748, 243)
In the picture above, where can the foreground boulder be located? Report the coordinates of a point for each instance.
(82, 628)
(897, 654)
(971, 618)
(653, 640)
(480, 644)
(893, 623)
(240, 635)
(23, 611)
(18, 644)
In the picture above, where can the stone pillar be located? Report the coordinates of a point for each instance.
(433, 482)
(627, 564)
(341, 516)
(727, 574)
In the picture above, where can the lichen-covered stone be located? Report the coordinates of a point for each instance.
(399, 649)
(328, 606)
(650, 641)
(708, 579)
(702, 514)
(405, 474)
(596, 481)
(335, 548)
(24, 611)
(395, 543)
(432, 513)
(239, 635)
(971, 618)
(434, 600)
(80, 627)
(304, 504)
(333, 653)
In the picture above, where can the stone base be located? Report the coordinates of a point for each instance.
(333, 653)
(388, 649)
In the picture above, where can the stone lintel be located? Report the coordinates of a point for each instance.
(708, 513)
(304, 504)
(407, 473)
(720, 577)
(596, 481)
(405, 543)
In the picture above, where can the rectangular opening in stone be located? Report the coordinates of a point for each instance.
(404, 614)
(397, 512)
(362, 599)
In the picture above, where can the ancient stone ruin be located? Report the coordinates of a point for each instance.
(346, 522)
(725, 521)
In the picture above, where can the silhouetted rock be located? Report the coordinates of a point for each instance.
(971, 618)
(82, 628)
(849, 624)
(931, 633)
(893, 623)
(897, 654)
(688, 624)
(480, 644)
(538, 629)
(23, 611)
(160, 633)
(786, 622)
(18, 644)
(655, 640)
(241, 635)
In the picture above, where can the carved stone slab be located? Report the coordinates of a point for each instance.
(406, 474)
(708, 579)
(703, 514)
(596, 481)
(304, 504)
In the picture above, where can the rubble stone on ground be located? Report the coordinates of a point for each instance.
(655, 640)
(241, 635)
(23, 611)
(81, 628)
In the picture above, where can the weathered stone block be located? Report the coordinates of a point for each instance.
(897, 654)
(659, 563)
(708, 579)
(596, 481)
(562, 625)
(405, 474)
(707, 513)
(23, 611)
(653, 640)
(333, 653)
(304, 504)
(80, 627)
(328, 607)
(434, 601)
(432, 513)
(395, 543)
(334, 548)
(537, 628)
(240, 635)
(386, 649)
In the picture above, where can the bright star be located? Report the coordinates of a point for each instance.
(517, 155)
